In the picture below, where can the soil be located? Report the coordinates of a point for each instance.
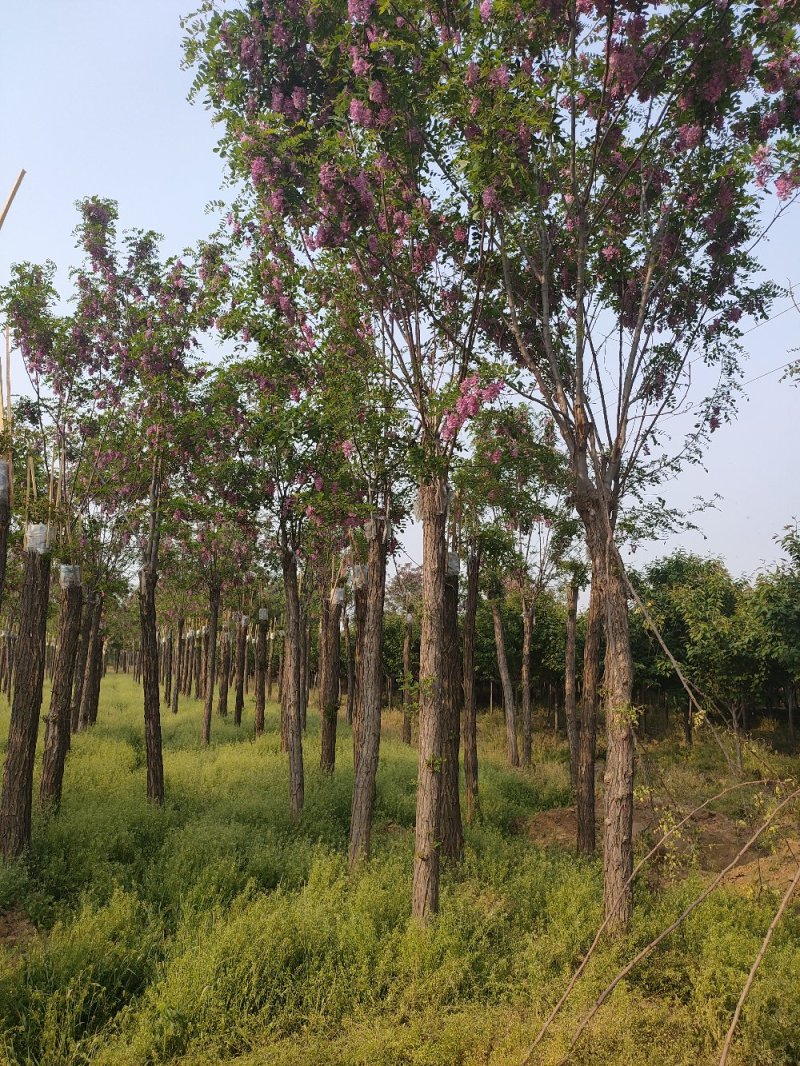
(709, 843)
(15, 930)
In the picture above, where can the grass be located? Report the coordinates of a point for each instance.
(214, 931)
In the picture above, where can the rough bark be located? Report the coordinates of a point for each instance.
(330, 615)
(241, 663)
(180, 652)
(452, 829)
(87, 611)
(225, 675)
(468, 681)
(169, 652)
(528, 618)
(351, 688)
(370, 693)
(210, 680)
(261, 676)
(359, 609)
(17, 791)
(425, 888)
(5, 522)
(508, 688)
(570, 705)
(588, 726)
(292, 682)
(152, 703)
(88, 714)
(407, 680)
(618, 781)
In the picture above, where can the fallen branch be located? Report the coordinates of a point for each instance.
(756, 963)
(684, 914)
(636, 869)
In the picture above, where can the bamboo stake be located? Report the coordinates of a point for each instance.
(10, 199)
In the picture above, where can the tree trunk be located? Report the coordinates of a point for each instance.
(5, 521)
(88, 690)
(407, 679)
(168, 654)
(452, 829)
(152, 705)
(87, 613)
(225, 675)
(360, 606)
(508, 688)
(425, 889)
(241, 665)
(198, 663)
(292, 681)
(180, 652)
(370, 692)
(17, 792)
(210, 679)
(348, 649)
(97, 675)
(618, 682)
(527, 638)
(261, 673)
(588, 731)
(468, 680)
(330, 615)
(570, 707)
(790, 710)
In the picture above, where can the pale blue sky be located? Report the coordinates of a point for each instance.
(93, 101)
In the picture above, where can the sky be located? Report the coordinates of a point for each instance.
(93, 101)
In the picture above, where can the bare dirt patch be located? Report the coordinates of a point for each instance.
(709, 842)
(15, 930)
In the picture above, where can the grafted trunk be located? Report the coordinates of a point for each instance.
(17, 792)
(570, 706)
(261, 673)
(370, 694)
(330, 615)
(180, 652)
(425, 889)
(452, 829)
(88, 708)
(618, 793)
(241, 663)
(588, 731)
(407, 678)
(508, 688)
(225, 675)
(468, 680)
(528, 619)
(292, 680)
(211, 659)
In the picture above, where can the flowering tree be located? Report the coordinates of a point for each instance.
(326, 114)
(623, 153)
(139, 323)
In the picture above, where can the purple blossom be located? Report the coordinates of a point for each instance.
(360, 113)
(486, 9)
(359, 10)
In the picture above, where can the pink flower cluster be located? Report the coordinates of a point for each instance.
(472, 397)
